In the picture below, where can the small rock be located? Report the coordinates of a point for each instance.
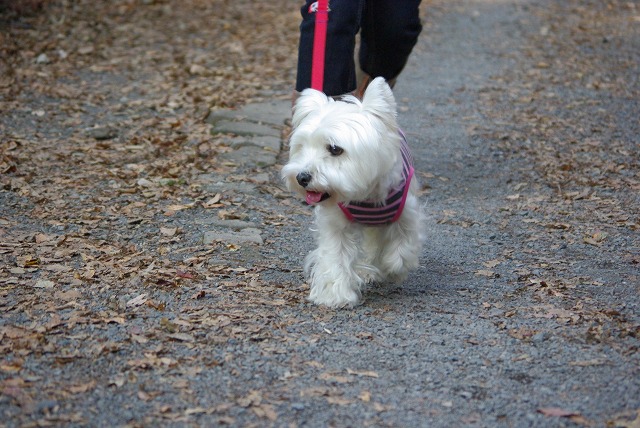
(143, 182)
(85, 50)
(227, 224)
(43, 59)
(197, 70)
(261, 178)
(46, 405)
(101, 133)
(245, 128)
(248, 235)
(540, 337)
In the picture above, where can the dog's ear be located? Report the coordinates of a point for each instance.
(310, 100)
(379, 101)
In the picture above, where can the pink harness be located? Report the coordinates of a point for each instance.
(380, 214)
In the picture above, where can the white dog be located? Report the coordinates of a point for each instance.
(349, 158)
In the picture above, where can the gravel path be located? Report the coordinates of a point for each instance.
(523, 118)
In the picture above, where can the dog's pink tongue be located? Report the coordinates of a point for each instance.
(314, 197)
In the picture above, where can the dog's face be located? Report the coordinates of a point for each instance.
(342, 151)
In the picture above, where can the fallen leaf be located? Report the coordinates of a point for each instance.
(364, 335)
(523, 357)
(557, 412)
(82, 388)
(253, 398)
(379, 407)
(522, 333)
(41, 237)
(168, 325)
(27, 261)
(117, 381)
(559, 226)
(213, 201)
(13, 366)
(182, 337)
(485, 272)
(588, 363)
(341, 401)
(179, 207)
(13, 332)
(199, 295)
(362, 373)
(186, 275)
(139, 339)
(137, 301)
(160, 306)
(168, 231)
(627, 420)
(491, 264)
(85, 50)
(596, 238)
(196, 411)
(43, 283)
(332, 377)
(265, 411)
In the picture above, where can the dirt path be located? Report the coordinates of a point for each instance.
(117, 310)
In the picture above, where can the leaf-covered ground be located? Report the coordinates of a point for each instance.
(103, 140)
(115, 312)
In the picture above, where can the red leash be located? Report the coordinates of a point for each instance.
(319, 45)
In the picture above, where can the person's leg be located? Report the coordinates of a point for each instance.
(390, 30)
(339, 72)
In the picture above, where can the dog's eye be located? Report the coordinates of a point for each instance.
(335, 150)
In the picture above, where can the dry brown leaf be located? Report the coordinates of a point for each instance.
(13, 366)
(485, 272)
(254, 398)
(333, 377)
(182, 337)
(168, 231)
(557, 412)
(139, 339)
(138, 300)
(365, 373)
(491, 263)
(265, 411)
(340, 401)
(588, 363)
(82, 388)
(43, 283)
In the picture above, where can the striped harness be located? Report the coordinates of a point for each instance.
(380, 214)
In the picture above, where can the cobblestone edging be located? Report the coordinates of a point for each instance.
(254, 133)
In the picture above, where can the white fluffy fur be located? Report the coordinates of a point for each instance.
(349, 254)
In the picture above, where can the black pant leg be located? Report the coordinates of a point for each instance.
(344, 23)
(390, 30)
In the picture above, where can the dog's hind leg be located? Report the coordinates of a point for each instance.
(401, 243)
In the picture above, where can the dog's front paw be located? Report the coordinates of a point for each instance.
(335, 294)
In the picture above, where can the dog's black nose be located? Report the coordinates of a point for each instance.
(304, 178)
